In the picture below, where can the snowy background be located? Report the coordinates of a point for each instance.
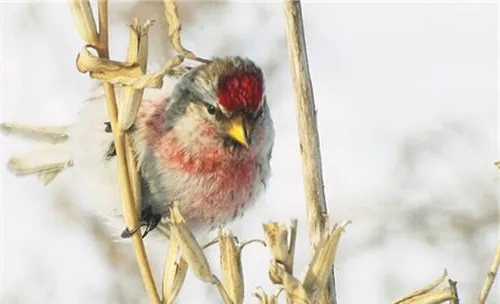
(407, 110)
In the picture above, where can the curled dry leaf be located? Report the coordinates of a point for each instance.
(84, 20)
(137, 52)
(276, 236)
(426, 289)
(174, 273)
(319, 269)
(230, 260)
(295, 290)
(189, 247)
(104, 69)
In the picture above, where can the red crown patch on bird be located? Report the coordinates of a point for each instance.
(241, 90)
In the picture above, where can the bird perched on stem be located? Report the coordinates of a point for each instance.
(208, 145)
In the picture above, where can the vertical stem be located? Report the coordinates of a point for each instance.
(129, 210)
(490, 277)
(308, 131)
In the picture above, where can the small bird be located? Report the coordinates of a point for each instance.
(208, 145)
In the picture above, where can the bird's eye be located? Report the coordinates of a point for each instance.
(260, 113)
(211, 109)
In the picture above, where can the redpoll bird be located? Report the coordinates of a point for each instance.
(207, 146)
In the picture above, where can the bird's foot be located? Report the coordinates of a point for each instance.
(148, 219)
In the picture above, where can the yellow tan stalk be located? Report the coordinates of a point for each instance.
(129, 207)
(308, 131)
(174, 31)
(490, 276)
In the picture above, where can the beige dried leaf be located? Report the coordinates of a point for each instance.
(189, 247)
(174, 273)
(230, 261)
(104, 69)
(84, 20)
(426, 289)
(276, 236)
(50, 134)
(436, 296)
(136, 53)
(320, 267)
(154, 80)
(294, 290)
(43, 159)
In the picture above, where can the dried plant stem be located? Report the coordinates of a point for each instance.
(308, 132)
(123, 173)
(490, 277)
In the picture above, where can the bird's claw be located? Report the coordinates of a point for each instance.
(148, 219)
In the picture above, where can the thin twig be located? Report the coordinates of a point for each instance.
(308, 131)
(490, 277)
(123, 175)
(454, 292)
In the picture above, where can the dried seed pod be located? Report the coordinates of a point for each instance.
(294, 289)
(189, 247)
(425, 290)
(276, 272)
(436, 296)
(85, 22)
(230, 260)
(276, 236)
(222, 291)
(320, 267)
(137, 52)
(174, 273)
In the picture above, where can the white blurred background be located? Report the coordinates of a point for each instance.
(407, 110)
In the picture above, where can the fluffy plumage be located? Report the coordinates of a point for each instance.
(186, 153)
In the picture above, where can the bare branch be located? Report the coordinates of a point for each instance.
(490, 277)
(308, 131)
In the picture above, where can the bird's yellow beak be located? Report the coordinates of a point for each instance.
(237, 131)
